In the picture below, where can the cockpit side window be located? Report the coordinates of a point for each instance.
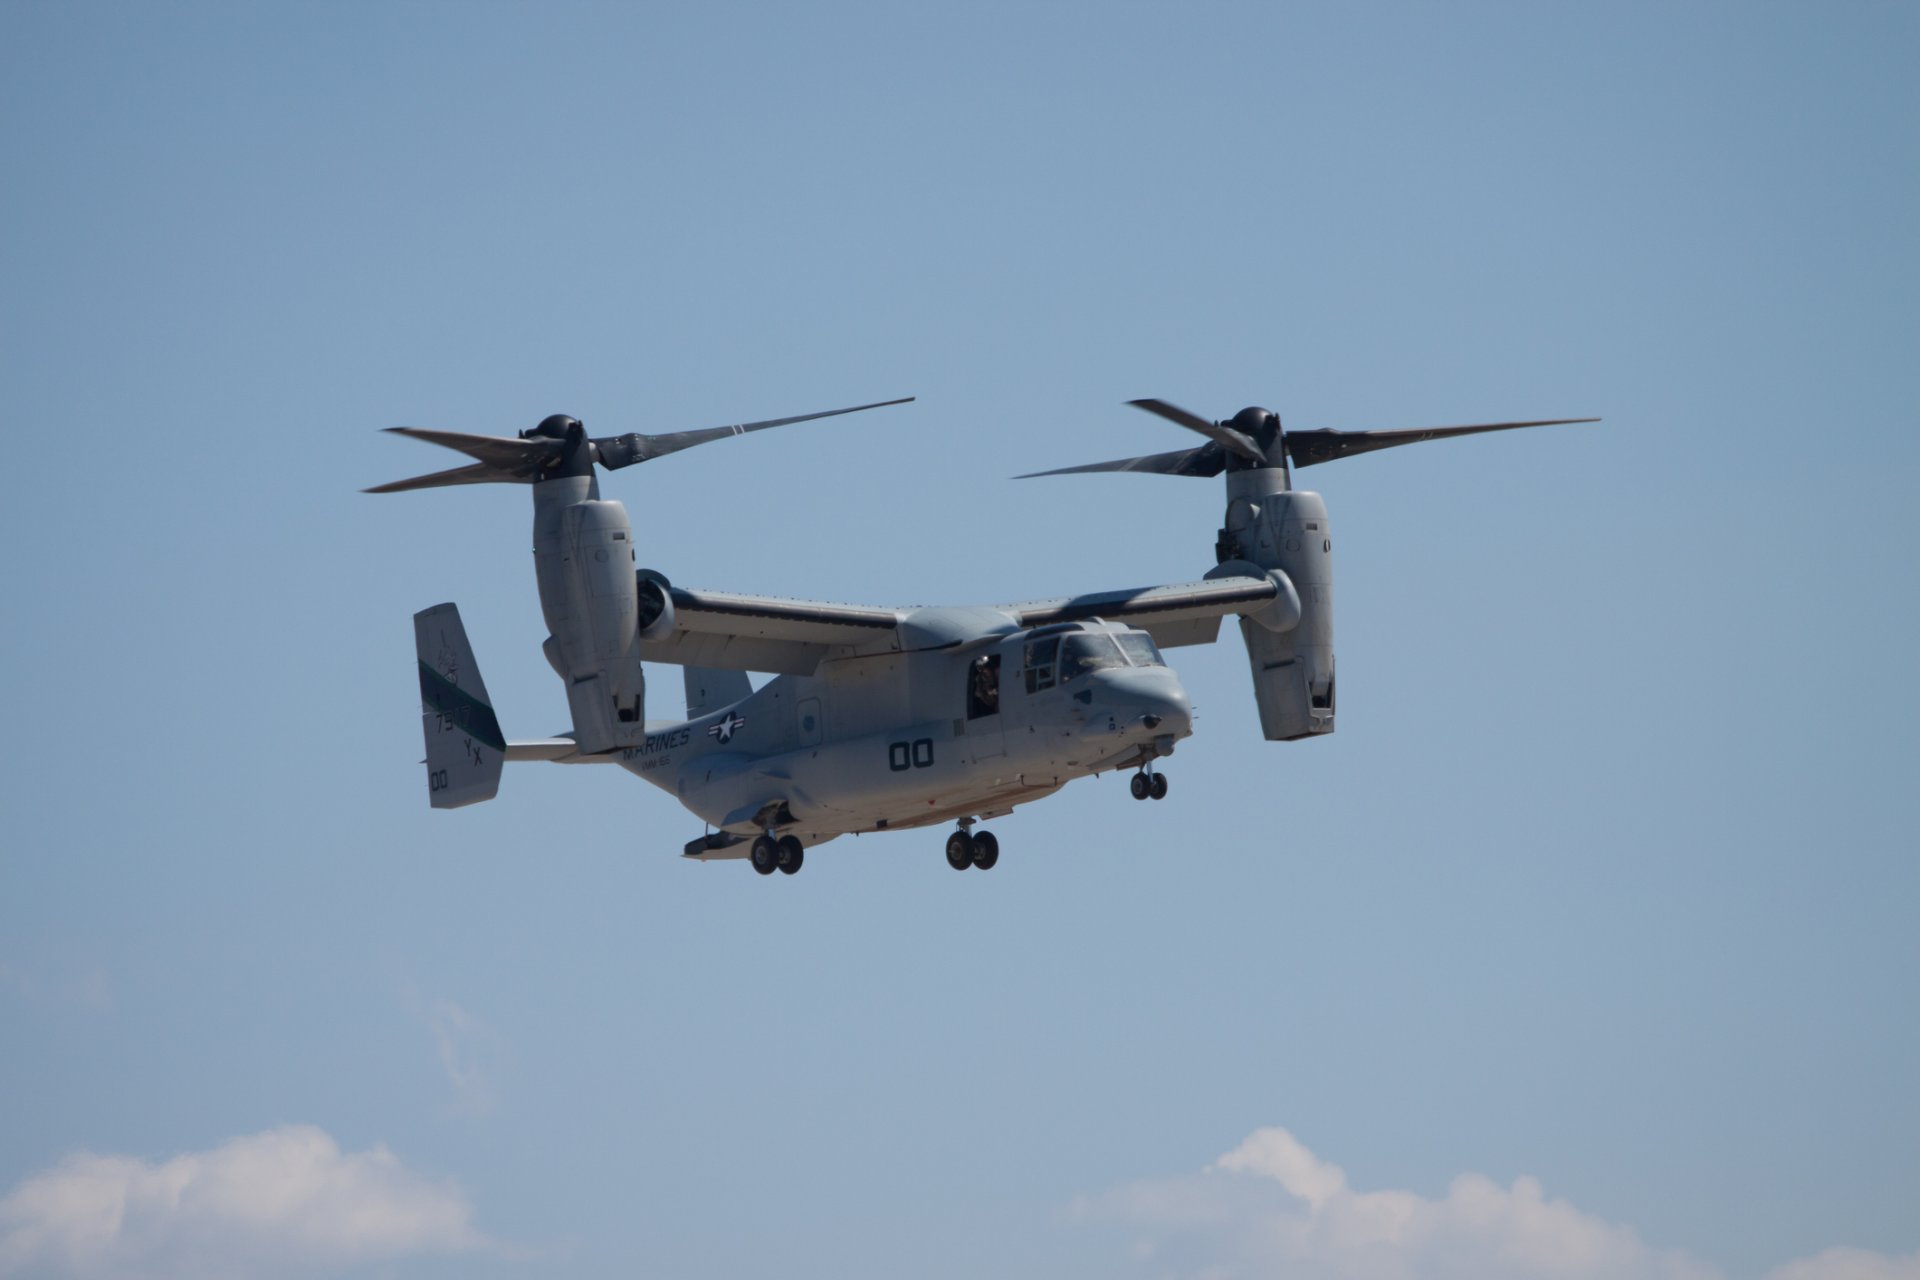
(1040, 657)
(1083, 653)
(1139, 648)
(983, 687)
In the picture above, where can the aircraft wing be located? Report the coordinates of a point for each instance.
(1177, 614)
(730, 631)
(764, 633)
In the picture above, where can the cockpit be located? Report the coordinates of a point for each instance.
(1063, 659)
(1057, 656)
(1095, 677)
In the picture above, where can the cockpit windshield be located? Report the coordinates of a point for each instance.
(1138, 646)
(1086, 652)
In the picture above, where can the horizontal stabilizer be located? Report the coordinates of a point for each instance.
(547, 749)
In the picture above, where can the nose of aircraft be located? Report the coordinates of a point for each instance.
(1151, 698)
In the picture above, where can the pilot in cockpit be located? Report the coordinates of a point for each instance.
(983, 687)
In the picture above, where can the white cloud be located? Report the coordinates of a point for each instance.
(283, 1200)
(469, 1050)
(1271, 1207)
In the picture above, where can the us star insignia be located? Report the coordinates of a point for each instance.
(727, 727)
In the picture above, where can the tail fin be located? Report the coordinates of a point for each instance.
(465, 748)
(710, 690)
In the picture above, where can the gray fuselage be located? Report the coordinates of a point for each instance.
(886, 741)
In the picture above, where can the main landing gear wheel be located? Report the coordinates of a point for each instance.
(960, 851)
(986, 850)
(765, 855)
(1141, 786)
(1159, 786)
(790, 854)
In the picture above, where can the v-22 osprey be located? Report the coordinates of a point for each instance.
(884, 719)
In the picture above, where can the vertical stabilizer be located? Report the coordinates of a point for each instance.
(710, 690)
(465, 748)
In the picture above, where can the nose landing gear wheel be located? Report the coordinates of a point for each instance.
(960, 851)
(765, 855)
(986, 850)
(790, 854)
(1159, 786)
(1141, 786)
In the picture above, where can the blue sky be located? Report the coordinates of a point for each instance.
(1586, 947)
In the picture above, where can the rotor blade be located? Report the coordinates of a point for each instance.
(1226, 437)
(1311, 447)
(476, 473)
(620, 451)
(1206, 460)
(508, 454)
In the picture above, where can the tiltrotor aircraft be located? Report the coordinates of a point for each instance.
(882, 719)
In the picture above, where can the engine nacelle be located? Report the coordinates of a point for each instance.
(655, 604)
(1278, 529)
(1282, 613)
(583, 557)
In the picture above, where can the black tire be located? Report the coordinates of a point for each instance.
(986, 850)
(791, 854)
(1140, 786)
(959, 851)
(765, 855)
(1159, 786)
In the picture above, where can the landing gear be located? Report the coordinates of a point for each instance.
(972, 849)
(1148, 785)
(771, 854)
